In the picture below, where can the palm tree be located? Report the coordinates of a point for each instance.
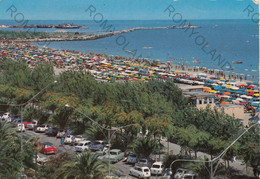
(6, 131)
(85, 166)
(144, 147)
(10, 152)
(94, 133)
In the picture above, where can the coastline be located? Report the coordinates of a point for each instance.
(76, 60)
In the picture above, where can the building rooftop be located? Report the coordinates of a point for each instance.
(197, 94)
(189, 87)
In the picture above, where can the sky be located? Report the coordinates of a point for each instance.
(125, 9)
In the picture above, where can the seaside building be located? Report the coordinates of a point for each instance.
(196, 95)
(201, 100)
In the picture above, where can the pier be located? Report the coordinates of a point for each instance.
(99, 36)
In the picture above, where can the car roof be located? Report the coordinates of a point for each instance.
(157, 163)
(47, 143)
(115, 150)
(84, 141)
(141, 166)
(143, 159)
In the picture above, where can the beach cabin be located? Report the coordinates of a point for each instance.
(199, 97)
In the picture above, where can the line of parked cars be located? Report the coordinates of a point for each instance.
(81, 144)
(144, 167)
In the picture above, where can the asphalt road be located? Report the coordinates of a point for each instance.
(122, 166)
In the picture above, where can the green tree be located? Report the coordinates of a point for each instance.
(144, 147)
(15, 73)
(42, 75)
(85, 166)
(203, 168)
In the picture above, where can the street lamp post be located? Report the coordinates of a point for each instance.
(21, 111)
(104, 128)
(220, 156)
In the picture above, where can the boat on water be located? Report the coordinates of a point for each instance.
(237, 62)
(67, 26)
(147, 47)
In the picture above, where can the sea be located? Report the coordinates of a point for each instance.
(216, 44)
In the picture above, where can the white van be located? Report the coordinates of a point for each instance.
(157, 168)
(140, 172)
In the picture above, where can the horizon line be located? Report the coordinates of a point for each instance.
(120, 19)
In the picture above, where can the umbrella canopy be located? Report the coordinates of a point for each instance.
(256, 104)
(235, 102)
(225, 96)
(234, 88)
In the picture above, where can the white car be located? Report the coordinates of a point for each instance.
(7, 117)
(82, 146)
(132, 158)
(77, 139)
(140, 172)
(41, 128)
(20, 127)
(157, 168)
(40, 160)
(69, 139)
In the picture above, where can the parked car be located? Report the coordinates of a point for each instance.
(32, 125)
(40, 160)
(20, 127)
(157, 168)
(69, 139)
(48, 148)
(132, 158)
(51, 131)
(106, 147)
(97, 145)
(61, 133)
(82, 146)
(179, 174)
(190, 176)
(77, 139)
(26, 123)
(6, 117)
(140, 172)
(145, 162)
(167, 173)
(115, 155)
(16, 121)
(41, 128)
(101, 154)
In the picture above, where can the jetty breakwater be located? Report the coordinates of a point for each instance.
(84, 37)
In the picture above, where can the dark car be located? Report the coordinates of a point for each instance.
(52, 131)
(145, 162)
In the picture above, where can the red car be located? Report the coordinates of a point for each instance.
(48, 148)
(26, 123)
